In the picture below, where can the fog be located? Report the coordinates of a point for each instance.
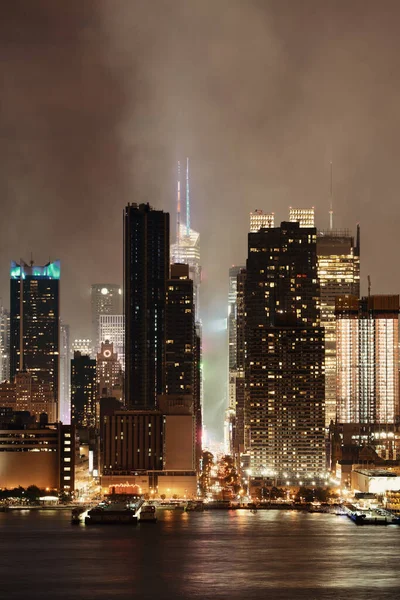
(100, 99)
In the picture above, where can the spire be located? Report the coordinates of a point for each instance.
(187, 199)
(178, 207)
(331, 204)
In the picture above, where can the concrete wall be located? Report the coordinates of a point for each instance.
(179, 443)
(29, 468)
(179, 485)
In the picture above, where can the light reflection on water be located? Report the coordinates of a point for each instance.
(220, 554)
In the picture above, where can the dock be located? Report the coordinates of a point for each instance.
(371, 516)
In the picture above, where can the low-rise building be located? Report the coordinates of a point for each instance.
(41, 455)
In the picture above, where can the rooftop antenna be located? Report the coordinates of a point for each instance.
(369, 286)
(187, 199)
(178, 208)
(331, 204)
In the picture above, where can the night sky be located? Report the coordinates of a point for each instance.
(99, 99)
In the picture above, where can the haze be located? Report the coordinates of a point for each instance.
(100, 98)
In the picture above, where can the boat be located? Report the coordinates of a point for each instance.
(148, 514)
(111, 514)
(194, 505)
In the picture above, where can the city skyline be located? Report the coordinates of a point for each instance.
(265, 143)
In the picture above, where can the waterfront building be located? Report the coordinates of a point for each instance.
(304, 216)
(109, 373)
(41, 455)
(284, 348)
(132, 441)
(367, 359)
(106, 299)
(146, 270)
(154, 450)
(35, 323)
(260, 220)
(112, 328)
(339, 274)
(83, 390)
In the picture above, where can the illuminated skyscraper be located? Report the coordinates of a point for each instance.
(106, 299)
(339, 274)
(4, 343)
(367, 359)
(284, 365)
(186, 249)
(303, 216)
(259, 219)
(112, 328)
(65, 375)
(230, 413)
(146, 270)
(34, 323)
(109, 373)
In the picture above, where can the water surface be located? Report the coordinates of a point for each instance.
(211, 555)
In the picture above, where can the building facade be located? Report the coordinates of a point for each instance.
(43, 456)
(304, 216)
(259, 220)
(339, 274)
(284, 354)
(35, 323)
(367, 359)
(180, 332)
(106, 299)
(146, 270)
(109, 372)
(65, 374)
(112, 328)
(83, 390)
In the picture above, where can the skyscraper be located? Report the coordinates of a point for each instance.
(339, 274)
(65, 374)
(146, 270)
(83, 390)
(186, 249)
(230, 414)
(112, 328)
(34, 323)
(367, 359)
(109, 373)
(106, 299)
(4, 343)
(259, 220)
(180, 333)
(284, 372)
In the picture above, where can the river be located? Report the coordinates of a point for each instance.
(233, 555)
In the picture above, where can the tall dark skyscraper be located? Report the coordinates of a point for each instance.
(180, 332)
(83, 390)
(284, 372)
(146, 270)
(35, 323)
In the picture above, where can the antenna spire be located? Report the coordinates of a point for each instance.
(178, 207)
(187, 199)
(331, 204)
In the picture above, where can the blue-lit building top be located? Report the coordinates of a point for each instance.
(51, 270)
